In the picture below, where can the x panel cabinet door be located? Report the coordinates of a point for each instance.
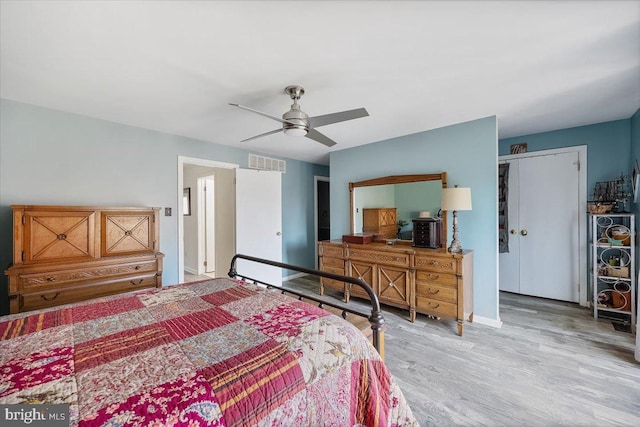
(364, 271)
(393, 285)
(58, 236)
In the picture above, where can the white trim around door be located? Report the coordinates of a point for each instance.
(582, 201)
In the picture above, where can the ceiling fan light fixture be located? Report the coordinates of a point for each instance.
(295, 131)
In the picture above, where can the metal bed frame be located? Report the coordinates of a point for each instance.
(375, 318)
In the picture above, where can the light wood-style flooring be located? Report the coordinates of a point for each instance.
(551, 363)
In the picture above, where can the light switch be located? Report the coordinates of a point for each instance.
(167, 211)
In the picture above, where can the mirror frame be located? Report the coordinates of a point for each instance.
(401, 179)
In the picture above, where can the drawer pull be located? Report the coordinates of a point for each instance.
(433, 262)
(431, 291)
(62, 236)
(433, 276)
(391, 284)
(127, 233)
(50, 299)
(137, 267)
(134, 283)
(433, 305)
(51, 279)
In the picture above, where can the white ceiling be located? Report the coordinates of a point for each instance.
(175, 66)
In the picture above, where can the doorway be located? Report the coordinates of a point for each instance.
(322, 217)
(543, 231)
(189, 257)
(240, 196)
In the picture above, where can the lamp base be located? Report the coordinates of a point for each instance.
(455, 247)
(455, 243)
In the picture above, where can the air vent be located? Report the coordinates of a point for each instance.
(267, 163)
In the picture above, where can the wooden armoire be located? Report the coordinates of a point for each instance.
(63, 254)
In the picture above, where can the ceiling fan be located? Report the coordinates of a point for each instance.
(296, 122)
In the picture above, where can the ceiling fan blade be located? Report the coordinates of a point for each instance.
(322, 139)
(342, 116)
(278, 119)
(262, 134)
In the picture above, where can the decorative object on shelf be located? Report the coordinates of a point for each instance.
(456, 199)
(424, 214)
(612, 195)
(599, 208)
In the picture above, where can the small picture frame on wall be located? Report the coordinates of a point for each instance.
(518, 148)
(635, 181)
(186, 201)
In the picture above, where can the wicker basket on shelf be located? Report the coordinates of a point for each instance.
(599, 208)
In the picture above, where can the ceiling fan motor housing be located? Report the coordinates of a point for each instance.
(298, 121)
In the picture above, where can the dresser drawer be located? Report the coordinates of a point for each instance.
(441, 279)
(62, 278)
(440, 293)
(332, 262)
(333, 284)
(444, 265)
(379, 257)
(53, 297)
(332, 251)
(435, 307)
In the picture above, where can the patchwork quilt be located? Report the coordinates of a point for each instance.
(213, 353)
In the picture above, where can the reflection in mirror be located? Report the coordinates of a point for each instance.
(410, 195)
(409, 199)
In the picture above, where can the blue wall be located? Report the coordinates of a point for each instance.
(57, 158)
(468, 153)
(607, 147)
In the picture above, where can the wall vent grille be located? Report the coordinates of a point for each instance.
(267, 163)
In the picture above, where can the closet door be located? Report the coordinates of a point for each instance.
(543, 214)
(548, 220)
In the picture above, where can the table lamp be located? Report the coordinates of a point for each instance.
(456, 199)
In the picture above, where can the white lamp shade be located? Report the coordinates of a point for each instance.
(456, 199)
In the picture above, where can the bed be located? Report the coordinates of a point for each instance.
(220, 352)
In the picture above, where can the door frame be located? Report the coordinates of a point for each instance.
(182, 161)
(316, 179)
(582, 207)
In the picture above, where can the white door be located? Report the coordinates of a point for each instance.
(209, 225)
(545, 257)
(259, 223)
(225, 219)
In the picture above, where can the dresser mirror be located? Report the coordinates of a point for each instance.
(409, 194)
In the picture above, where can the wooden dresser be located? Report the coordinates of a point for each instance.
(63, 254)
(382, 221)
(428, 281)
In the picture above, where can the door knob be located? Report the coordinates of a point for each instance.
(513, 231)
(524, 232)
(278, 234)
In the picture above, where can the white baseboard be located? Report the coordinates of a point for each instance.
(190, 270)
(495, 323)
(294, 276)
